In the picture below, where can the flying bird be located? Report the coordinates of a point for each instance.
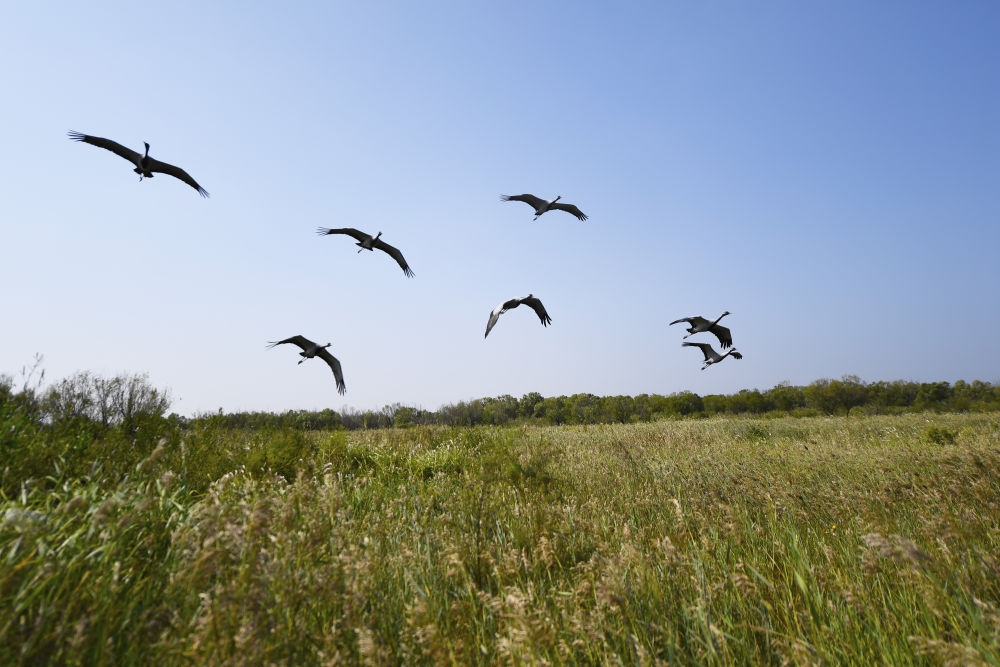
(711, 356)
(310, 350)
(529, 300)
(144, 165)
(700, 324)
(367, 242)
(542, 205)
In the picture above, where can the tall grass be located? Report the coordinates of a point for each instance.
(788, 541)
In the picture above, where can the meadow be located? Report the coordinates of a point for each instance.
(821, 540)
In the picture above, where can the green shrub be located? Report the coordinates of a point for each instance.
(940, 435)
(283, 453)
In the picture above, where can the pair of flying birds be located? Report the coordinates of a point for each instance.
(541, 206)
(700, 325)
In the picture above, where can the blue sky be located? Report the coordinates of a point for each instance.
(828, 172)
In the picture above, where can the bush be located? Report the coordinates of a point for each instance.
(940, 435)
(79, 423)
(283, 454)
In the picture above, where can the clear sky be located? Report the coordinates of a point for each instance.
(828, 172)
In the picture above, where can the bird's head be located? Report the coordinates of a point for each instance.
(725, 313)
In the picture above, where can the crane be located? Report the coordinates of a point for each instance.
(529, 300)
(310, 350)
(542, 205)
(711, 356)
(700, 324)
(144, 165)
(368, 242)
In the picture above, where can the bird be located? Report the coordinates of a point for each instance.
(542, 205)
(700, 324)
(529, 300)
(310, 350)
(711, 356)
(144, 165)
(368, 242)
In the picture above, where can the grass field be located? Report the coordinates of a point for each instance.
(848, 540)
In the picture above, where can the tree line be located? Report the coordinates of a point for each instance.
(849, 395)
(128, 403)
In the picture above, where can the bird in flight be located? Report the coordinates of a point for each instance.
(700, 324)
(529, 300)
(711, 356)
(310, 350)
(368, 242)
(144, 165)
(542, 205)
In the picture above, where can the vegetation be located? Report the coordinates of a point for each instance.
(858, 539)
(849, 395)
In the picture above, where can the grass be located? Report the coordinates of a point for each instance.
(848, 540)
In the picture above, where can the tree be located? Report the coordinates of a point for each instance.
(836, 396)
(785, 397)
(713, 404)
(683, 403)
(618, 409)
(526, 406)
(932, 395)
(500, 410)
(124, 400)
(552, 410)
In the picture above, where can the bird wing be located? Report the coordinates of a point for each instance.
(176, 172)
(334, 365)
(723, 334)
(706, 349)
(683, 319)
(350, 231)
(539, 309)
(570, 208)
(530, 200)
(494, 316)
(107, 145)
(395, 254)
(697, 321)
(500, 310)
(301, 341)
